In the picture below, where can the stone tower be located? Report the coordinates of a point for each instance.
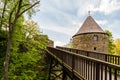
(91, 37)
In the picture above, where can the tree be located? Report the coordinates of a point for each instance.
(15, 12)
(111, 44)
(26, 43)
(30, 29)
(26, 62)
(117, 46)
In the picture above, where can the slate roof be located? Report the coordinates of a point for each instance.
(89, 26)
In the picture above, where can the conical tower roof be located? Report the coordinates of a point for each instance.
(89, 26)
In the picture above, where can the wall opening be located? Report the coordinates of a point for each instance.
(94, 48)
(95, 37)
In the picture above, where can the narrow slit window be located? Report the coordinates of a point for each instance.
(94, 48)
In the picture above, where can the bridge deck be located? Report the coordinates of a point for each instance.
(86, 68)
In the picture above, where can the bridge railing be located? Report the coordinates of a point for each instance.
(102, 56)
(86, 67)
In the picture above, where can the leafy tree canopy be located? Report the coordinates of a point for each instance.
(117, 46)
(27, 43)
(111, 44)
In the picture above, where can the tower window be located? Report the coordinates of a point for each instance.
(94, 48)
(95, 37)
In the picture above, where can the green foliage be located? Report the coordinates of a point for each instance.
(111, 44)
(27, 57)
(28, 44)
(3, 38)
(117, 46)
(26, 61)
(18, 34)
(23, 66)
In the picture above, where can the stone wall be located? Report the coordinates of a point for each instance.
(86, 42)
(50, 43)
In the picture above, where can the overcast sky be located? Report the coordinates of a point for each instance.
(61, 19)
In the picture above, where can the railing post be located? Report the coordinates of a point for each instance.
(105, 72)
(97, 71)
(73, 66)
(118, 60)
(115, 74)
(106, 57)
(87, 53)
(110, 73)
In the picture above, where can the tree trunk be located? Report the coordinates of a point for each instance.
(6, 63)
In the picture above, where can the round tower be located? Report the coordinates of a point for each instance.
(91, 37)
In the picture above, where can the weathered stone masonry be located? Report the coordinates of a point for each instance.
(91, 37)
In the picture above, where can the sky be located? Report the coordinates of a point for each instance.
(61, 19)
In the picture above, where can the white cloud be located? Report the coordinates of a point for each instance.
(66, 16)
(82, 7)
(60, 8)
(65, 30)
(58, 43)
(103, 6)
(102, 22)
(108, 6)
(114, 28)
(116, 36)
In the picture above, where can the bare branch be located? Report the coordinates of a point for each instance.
(10, 17)
(28, 8)
(25, 5)
(17, 15)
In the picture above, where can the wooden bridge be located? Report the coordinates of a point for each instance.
(74, 64)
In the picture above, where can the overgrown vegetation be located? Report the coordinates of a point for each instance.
(27, 55)
(111, 44)
(22, 45)
(117, 46)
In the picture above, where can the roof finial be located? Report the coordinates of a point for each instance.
(89, 12)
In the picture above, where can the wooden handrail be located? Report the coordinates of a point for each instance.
(102, 56)
(79, 64)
